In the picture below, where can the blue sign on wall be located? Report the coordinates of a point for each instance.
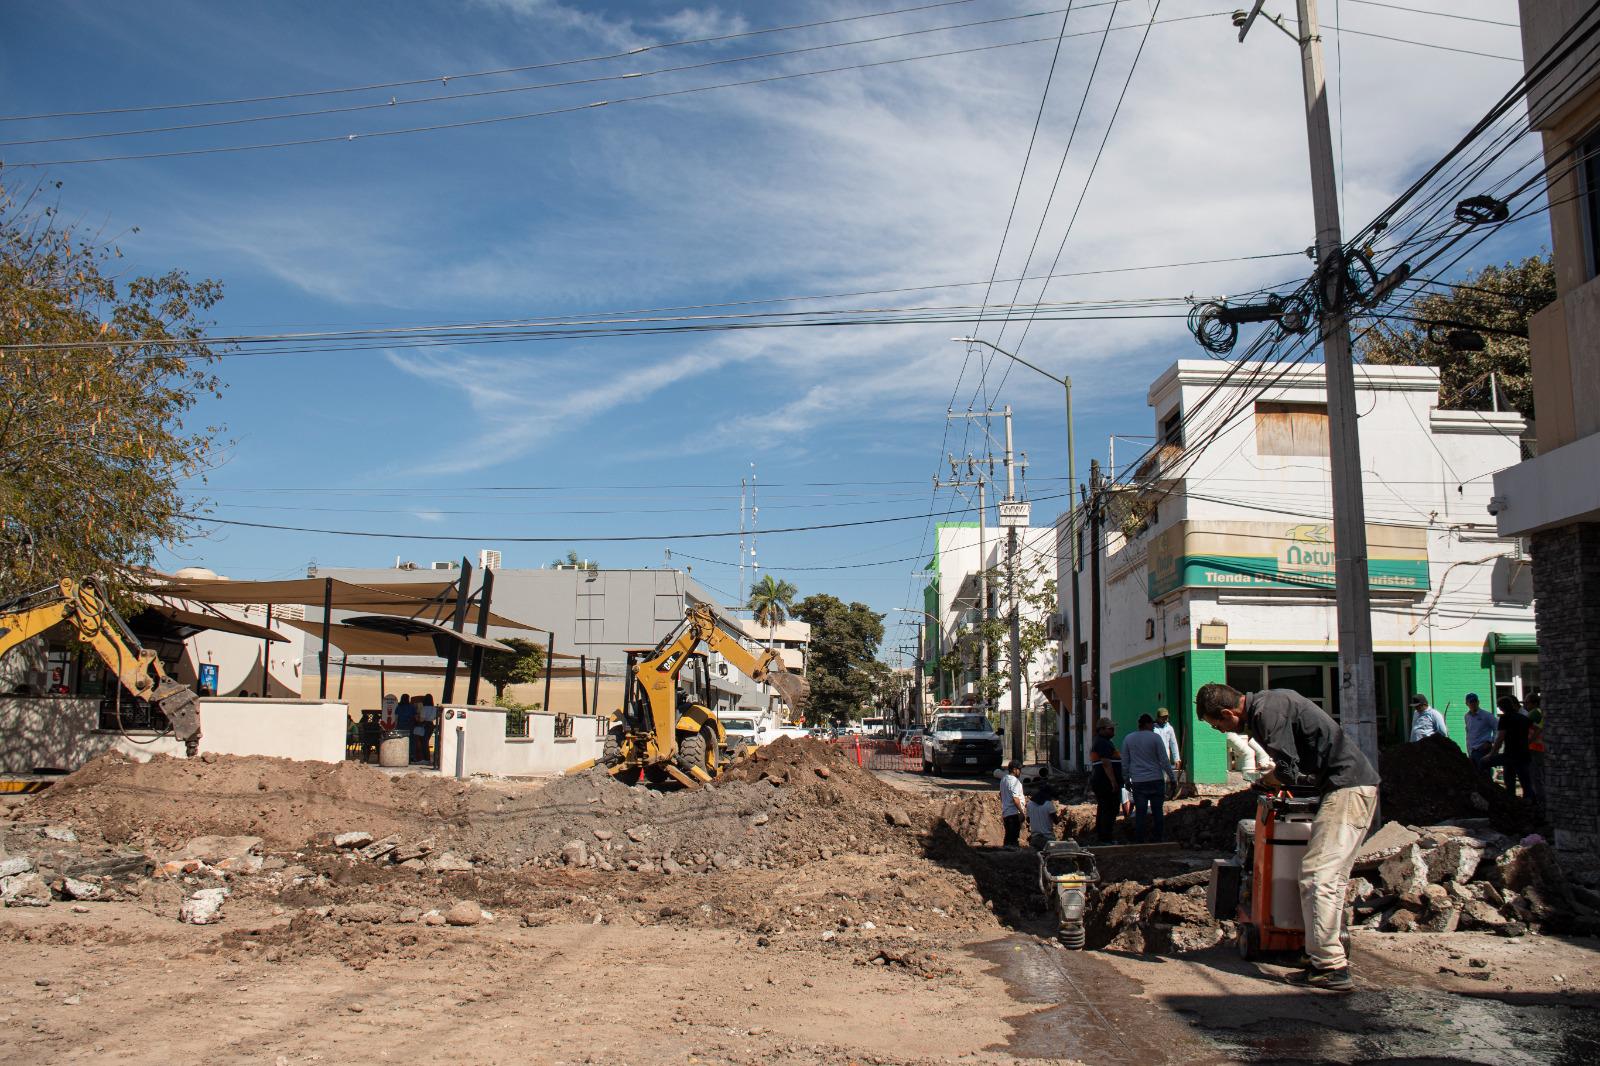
(208, 677)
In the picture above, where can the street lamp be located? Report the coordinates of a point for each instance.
(1072, 492)
(921, 660)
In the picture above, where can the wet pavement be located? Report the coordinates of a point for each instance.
(1214, 1008)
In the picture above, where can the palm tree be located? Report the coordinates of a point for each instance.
(772, 599)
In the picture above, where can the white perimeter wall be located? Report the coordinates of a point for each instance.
(61, 732)
(487, 749)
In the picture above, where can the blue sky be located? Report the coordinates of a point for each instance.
(881, 178)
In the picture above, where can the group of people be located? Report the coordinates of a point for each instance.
(1138, 778)
(418, 718)
(1513, 740)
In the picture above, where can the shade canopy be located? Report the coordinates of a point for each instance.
(387, 635)
(433, 601)
(175, 623)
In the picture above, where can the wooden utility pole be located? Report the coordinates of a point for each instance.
(1357, 687)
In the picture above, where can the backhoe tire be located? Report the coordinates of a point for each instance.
(611, 750)
(691, 753)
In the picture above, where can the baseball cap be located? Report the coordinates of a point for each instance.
(1162, 712)
(1472, 697)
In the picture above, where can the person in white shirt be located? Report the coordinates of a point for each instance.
(1425, 721)
(1011, 803)
(1169, 735)
(1042, 814)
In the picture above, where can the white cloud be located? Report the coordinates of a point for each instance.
(895, 176)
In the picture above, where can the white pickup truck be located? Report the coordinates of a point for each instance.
(964, 741)
(746, 729)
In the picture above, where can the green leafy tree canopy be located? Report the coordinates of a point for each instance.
(95, 446)
(1499, 300)
(844, 639)
(523, 665)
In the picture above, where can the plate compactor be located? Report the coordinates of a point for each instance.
(1259, 888)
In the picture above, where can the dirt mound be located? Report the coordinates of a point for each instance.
(1432, 781)
(975, 818)
(288, 804)
(1166, 918)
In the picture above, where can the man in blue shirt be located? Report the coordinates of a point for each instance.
(1148, 766)
(1481, 729)
(1425, 721)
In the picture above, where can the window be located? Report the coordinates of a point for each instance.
(1516, 675)
(1589, 200)
(1172, 428)
(1311, 680)
(1291, 428)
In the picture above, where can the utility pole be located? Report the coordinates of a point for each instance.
(1011, 596)
(975, 477)
(1357, 688)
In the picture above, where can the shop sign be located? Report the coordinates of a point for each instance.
(1279, 555)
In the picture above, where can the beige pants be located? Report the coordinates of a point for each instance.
(1336, 835)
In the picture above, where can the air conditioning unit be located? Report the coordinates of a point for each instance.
(444, 566)
(488, 559)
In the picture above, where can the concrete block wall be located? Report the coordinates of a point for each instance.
(479, 734)
(62, 733)
(1566, 578)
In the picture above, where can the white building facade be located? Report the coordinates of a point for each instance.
(1215, 556)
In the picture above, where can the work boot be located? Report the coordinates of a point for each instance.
(1328, 980)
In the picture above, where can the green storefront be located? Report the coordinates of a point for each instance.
(1241, 653)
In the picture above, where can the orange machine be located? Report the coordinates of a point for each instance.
(1260, 887)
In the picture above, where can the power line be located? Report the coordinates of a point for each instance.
(447, 78)
(570, 537)
(552, 112)
(597, 79)
(1436, 14)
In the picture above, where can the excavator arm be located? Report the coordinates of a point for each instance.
(99, 626)
(767, 667)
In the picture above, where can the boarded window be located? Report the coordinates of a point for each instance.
(1172, 428)
(1291, 428)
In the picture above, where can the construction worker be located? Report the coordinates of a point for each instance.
(1426, 721)
(1011, 803)
(1147, 765)
(1312, 754)
(1480, 732)
(1105, 778)
(1169, 736)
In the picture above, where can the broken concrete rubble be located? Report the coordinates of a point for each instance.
(204, 907)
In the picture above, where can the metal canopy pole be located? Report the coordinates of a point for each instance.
(549, 664)
(344, 664)
(459, 624)
(485, 595)
(327, 623)
(266, 656)
(583, 683)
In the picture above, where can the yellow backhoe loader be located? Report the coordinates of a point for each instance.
(85, 605)
(665, 730)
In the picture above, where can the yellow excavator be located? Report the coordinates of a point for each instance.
(86, 606)
(665, 730)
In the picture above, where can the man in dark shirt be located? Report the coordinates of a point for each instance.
(1510, 749)
(1313, 754)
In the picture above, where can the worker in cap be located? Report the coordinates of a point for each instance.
(1426, 721)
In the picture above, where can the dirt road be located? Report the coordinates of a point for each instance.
(801, 912)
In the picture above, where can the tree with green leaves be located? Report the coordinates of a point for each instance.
(522, 665)
(1494, 305)
(573, 562)
(100, 376)
(988, 641)
(844, 639)
(772, 599)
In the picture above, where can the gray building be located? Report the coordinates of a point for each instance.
(597, 614)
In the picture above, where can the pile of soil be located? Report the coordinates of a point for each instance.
(791, 803)
(1167, 917)
(1433, 781)
(166, 801)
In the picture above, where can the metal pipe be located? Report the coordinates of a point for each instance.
(461, 751)
(485, 596)
(327, 622)
(549, 665)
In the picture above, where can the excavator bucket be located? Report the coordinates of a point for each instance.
(794, 689)
(182, 708)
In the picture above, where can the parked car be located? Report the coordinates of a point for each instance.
(746, 730)
(965, 741)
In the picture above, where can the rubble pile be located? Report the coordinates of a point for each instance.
(1467, 876)
(1433, 781)
(1165, 917)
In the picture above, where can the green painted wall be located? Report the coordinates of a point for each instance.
(1204, 749)
(1446, 678)
(1137, 690)
(1172, 683)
